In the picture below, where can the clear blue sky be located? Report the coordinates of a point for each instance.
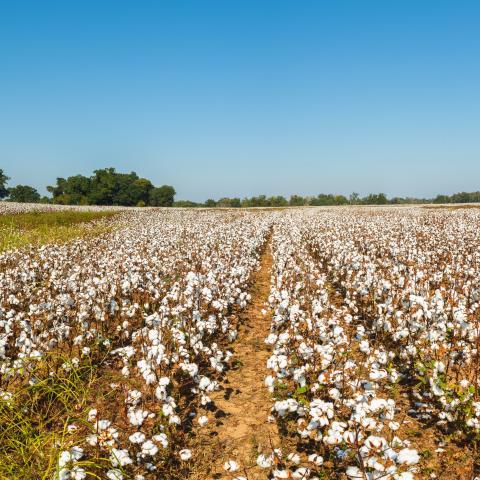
(241, 97)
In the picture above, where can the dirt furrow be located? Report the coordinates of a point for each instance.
(242, 429)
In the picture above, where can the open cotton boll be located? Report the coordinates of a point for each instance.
(408, 456)
(264, 461)
(185, 454)
(137, 437)
(301, 473)
(120, 457)
(203, 420)
(230, 466)
(149, 448)
(115, 474)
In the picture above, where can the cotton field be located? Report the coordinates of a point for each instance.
(117, 351)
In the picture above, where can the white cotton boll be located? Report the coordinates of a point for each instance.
(64, 474)
(436, 390)
(373, 462)
(103, 424)
(264, 462)
(269, 383)
(202, 421)
(354, 473)
(334, 393)
(316, 459)
(65, 458)
(271, 339)
(133, 397)
(408, 456)
(294, 458)
(76, 453)
(78, 473)
(115, 474)
(167, 409)
(301, 473)
(280, 474)
(164, 381)
(378, 374)
(204, 383)
(160, 393)
(137, 437)
(120, 457)
(185, 454)
(230, 466)
(162, 439)
(334, 438)
(92, 440)
(136, 417)
(375, 443)
(174, 420)
(150, 378)
(149, 448)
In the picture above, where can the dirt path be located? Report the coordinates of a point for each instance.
(242, 429)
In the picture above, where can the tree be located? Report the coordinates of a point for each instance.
(277, 201)
(23, 194)
(162, 196)
(326, 200)
(186, 204)
(71, 191)
(140, 190)
(297, 201)
(210, 203)
(375, 199)
(354, 198)
(3, 184)
(111, 188)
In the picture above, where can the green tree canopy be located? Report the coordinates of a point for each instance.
(3, 184)
(162, 196)
(108, 187)
(23, 194)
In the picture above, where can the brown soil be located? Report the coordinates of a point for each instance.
(242, 429)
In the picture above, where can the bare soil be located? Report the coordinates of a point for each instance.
(242, 430)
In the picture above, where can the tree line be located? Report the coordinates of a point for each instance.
(104, 187)
(108, 187)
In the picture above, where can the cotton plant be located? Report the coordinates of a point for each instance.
(159, 315)
(361, 302)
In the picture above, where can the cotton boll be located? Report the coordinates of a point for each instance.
(264, 461)
(114, 474)
(202, 421)
(230, 466)
(137, 437)
(185, 454)
(408, 456)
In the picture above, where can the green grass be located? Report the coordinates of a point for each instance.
(19, 230)
(34, 421)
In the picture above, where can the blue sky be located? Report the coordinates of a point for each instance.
(242, 97)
